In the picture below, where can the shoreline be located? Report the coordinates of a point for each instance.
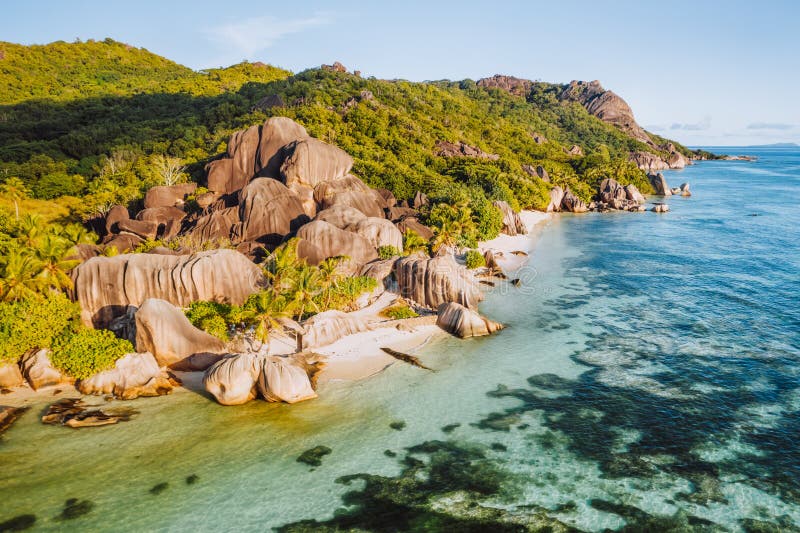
(353, 357)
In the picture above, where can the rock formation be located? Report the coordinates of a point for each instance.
(40, 372)
(633, 194)
(556, 197)
(660, 208)
(463, 322)
(310, 162)
(432, 282)
(329, 241)
(10, 376)
(142, 229)
(341, 216)
(349, 191)
(114, 215)
(659, 183)
(512, 223)
(168, 196)
(106, 286)
(134, 375)
(378, 232)
(572, 203)
(268, 212)
(164, 331)
(233, 379)
(461, 149)
(283, 379)
(328, 327)
(510, 84)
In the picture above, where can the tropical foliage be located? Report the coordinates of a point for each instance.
(474, 259)
(33, 323)
(87, 351)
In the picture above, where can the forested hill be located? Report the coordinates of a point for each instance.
(98, 121)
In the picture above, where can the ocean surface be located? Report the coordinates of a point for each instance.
(649, 379)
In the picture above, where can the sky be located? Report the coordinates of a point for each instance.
(703, 72)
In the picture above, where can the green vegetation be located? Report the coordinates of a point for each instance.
(387, 252)
(33, 323)
(212, 317)
(88, 351)
(413, 243)
(474, 259)
(398, 311)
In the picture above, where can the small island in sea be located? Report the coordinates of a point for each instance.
(239, 245)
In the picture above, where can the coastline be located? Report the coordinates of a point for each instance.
(353, 357)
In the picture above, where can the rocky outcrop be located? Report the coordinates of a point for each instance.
(168, 219)
(39, 371)
(537, 172)
(538, 138)
(413, 224)
(268, 212)
(168, 196)
(660, 208)
(233, 379)
(556, 197)
(432, 282)
(463, 322)
(134, 375)
(633, 194)
(216, 225)
(164, 331)
(648, 162)
(659, 183)
(605, 105)
(276, 133)
(140, 228)
(310, 162)
(284, 379)
(341, 216)
(328, 327)
(379, 269)
(572, 203)
(329, 241)
(114, 215)
(106, 286)
(685, 189)
(611, 190)
(10, 376)
(510, 84)
(123, 242)
(349, 191)
(461, 149)
(574, 150)
(512, 223)
(378, 232)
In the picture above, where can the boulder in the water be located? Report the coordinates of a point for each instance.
(463, 322)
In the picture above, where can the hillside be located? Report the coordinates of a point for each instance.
(91, 120)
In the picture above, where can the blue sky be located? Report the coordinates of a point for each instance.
(703, 72)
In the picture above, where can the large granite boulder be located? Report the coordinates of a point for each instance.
(164, 331)
(233, 379)
(610, 190)
(572, 203)
(10, 376)
(379, 232)
(341, 216)
(39, 371)
(106, 286)
(140, 228)
(413, 224)
(168, 219)
(512, 223)
(379, 269)
(310, 162)
(168, 195)
(351, 192)
(328, 327)
(233, 172)
(685, 189)
(276, 133)
(660, 185)
(114, 215)
(284, 379)
(268, 211)
(134, 375)
(463, 322)
(633, 194)
(123, 242)
(331, 241)
(556, 198)
(648, 162)
(432, 282)
(461, 149)
(216, 225)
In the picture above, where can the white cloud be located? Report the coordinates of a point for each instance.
(770, 126)
(703, 125)
(248, 37)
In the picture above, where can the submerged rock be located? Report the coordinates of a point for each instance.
(660, 208)
(9, 415)
(313, 457)
(134, 375)
(72, 412)
(462, 322)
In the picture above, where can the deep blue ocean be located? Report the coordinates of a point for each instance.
(648, 380)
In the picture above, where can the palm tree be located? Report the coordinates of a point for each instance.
(446, 235)
(15, 188)
(21, 276)
(266, 311)
(280, 267)
(413, 242)
(58, 258)
(30, 231)
(306, 287)
(330, 276)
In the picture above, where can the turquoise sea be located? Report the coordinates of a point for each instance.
(648, 380)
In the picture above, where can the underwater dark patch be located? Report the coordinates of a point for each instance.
(313, 456)
(397, 425)
(192, 479)
(75, 508)
(18, 523)
(449, 428)
(158, 488)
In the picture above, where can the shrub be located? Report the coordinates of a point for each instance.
(212, 317)
(387, 252)
(398, 311)
(343, 295)
(413, 242)
(33, 323)
(474, 259)
(88, 351)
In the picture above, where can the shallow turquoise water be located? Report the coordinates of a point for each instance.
(648, 378)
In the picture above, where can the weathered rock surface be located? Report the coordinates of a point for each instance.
(461, 149)
(537, 172)
(268, 212)
(328, 327)
(114, 215)
(73, 412)
(9, 415)
(413, 224)
(648, 162)
(168, 196)
(168, 219)
(633, 194)
(11, 376)
(349, 191)
(659, 183)
(164, 331)
(141, 228)
(572, 203)
(218, 224)
(310, 162)
(123, 242)
(575, 150)
(556, 198)
(341, 216)
(134, 375)
(512, 223)
(232, 380)
(432, 282)
(40, 372)
(106, 286)
(685, 190)
(331, 241)
(283, 379)
(379, 269)
(660, 208)
(378, 232)
(611, 190)
(463, 322)
(510, 84)
(276, 133)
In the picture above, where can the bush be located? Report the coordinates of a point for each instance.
(413, 242)
(212, 317)
(88, 351)
(474, 259)
(398, 311)
(343, 295)
(387, 252)
(33, 323)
